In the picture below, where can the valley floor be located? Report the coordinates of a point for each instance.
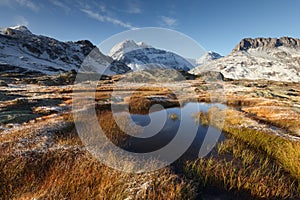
(42, 156)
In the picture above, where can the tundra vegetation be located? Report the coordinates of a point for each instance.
(42, 155)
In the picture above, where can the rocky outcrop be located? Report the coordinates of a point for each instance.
(269, 43)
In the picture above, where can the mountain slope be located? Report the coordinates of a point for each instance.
(142, 56)
(260, 58)
(24, 52)
(207, 57)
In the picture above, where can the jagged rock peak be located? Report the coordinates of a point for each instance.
(249, 43)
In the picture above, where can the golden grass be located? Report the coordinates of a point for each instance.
(68, 171)
(74, 174)
(117, 133)
(254, 163)
(283, 117)
(284, 151)
(68, 136)
(234, 100)
(243, 171)
(140, 102)
(200, 118)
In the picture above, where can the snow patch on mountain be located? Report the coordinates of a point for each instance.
(22, 29)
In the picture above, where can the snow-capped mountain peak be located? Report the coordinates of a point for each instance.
(15, 30)
(138, 55)
(126, 46)
(23, 29)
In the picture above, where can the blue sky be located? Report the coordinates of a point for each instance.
(217, 25)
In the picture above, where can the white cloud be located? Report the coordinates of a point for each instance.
(29, 4)
(102, 8)
(24, 3)
(134, 7)
(168, 21)
(130, 7)
(103, 18)
(92, 5)
(22, 21)
(61, 5)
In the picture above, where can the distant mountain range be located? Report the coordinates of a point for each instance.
(262, 58)
(24, 52)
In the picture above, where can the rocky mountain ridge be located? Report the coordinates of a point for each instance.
(24, 52)
(275, 59)
(249, 43)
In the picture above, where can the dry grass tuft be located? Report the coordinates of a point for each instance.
(73, 174)
(201, 118)
(283, 117)
(285, 152)
(65, 170)
(243, 171)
